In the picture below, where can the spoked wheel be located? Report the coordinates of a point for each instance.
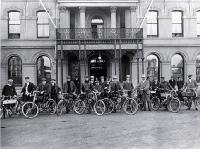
(155, 103)
(197, 100)
(99, 107)
(61, 107)
(130, 106)
(174, 105)
(109, 105)
(51, 106)
(79, 107)
(30, 110)
(188, 102)
(1, 112)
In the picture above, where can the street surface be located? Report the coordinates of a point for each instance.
(145, 130)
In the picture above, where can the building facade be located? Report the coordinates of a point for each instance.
(100, 38)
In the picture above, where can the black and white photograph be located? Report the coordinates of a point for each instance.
(100, 74)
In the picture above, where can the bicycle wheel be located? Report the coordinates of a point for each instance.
(79, 107)
(155, 103)
(99, 107)
(188, 102)
(1, 112)
(197, 100)
(130, 106)
(30, 110)
(174, 105)
(109, 105)
(60, 107)
(51, 106)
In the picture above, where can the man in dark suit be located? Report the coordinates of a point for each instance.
(143, 88)
(172, 82)
(115, 85)
(9, 89)
(69, 86)
(27, 90)
(54, 90)
(44, 90)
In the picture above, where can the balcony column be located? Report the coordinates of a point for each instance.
(113, 11)
(82, 17)
(67, 21)
(133, 17)
(62, 17)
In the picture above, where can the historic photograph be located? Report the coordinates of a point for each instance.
(100, 74)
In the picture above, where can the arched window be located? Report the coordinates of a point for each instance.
(15, 70)
(198, 23)
(43, 68)
(198, 69)
(177, 23)
(13, 24)
(42, 24)
(97, 27)
(177, 66)
(153, 66)
(152, 24)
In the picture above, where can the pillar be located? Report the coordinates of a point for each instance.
(133, 16)
(82, 17)
(113, 11)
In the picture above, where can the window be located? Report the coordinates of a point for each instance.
(14, 25)
(152, 24)
(177, 24)
(43, 68)
(42, 25)
(198, 23)
(97, 27)
(198, 69)
(15, 70)
(177, 66)
(153, 66)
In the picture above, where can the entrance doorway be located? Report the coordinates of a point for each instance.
(98, 66)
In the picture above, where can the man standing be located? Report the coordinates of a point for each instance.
(127, 85)
(172, 82)
(143, 88)
(27, 90)
(69, 86)
(77, 84)
(115, 85)
(180, 83)
(87, 86)
(164, 85)
(54, 90)
(44, 90)
(191, 86)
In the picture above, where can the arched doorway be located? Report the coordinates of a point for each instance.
(153, 66)
(125, 66)
(177, 66)
(97, 24)
(98, 65)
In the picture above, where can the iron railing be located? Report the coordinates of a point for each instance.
(100, 33)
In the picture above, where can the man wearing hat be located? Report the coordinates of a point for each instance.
(172, 82)
(97, 86)
(87, 86)
(92, 80)
(44, 90)
(27, 90)
(69, 86)
(164, 85)
(127, 85)
(191, 86)
(143, 88)
(54, 90)
(9, 89)
(115, 85)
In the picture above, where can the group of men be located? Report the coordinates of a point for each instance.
(52, 90)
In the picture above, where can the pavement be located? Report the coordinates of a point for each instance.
(145, 130)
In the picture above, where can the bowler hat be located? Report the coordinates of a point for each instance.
(189, 75)
(114, 77)
(143, 76)
(128, 76)
(27, 77)
(10, 80)
(43, 79)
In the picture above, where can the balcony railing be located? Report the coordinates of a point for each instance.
(100, 33)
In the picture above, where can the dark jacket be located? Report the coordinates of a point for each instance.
(9, 90)
(87, 87)
(31, 88)
(127, 85)
(172, 83)
(180, 84)
(144, 86)
(54, 89)
(115, 86)
(155, 85)
(72, 87)
(45, 88)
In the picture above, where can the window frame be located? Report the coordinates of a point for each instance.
(157, 23)
(14, 35)
(44, 24)
(182, 25)
(18, 70)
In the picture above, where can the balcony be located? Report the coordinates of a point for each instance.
(100, 35)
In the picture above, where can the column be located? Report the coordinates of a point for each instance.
(82, 17)
(67, 17)
(127, 18)
(133, 16)
(62, 17)
(113, 17)
(166, 69)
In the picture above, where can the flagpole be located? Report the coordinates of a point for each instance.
(149, 7)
